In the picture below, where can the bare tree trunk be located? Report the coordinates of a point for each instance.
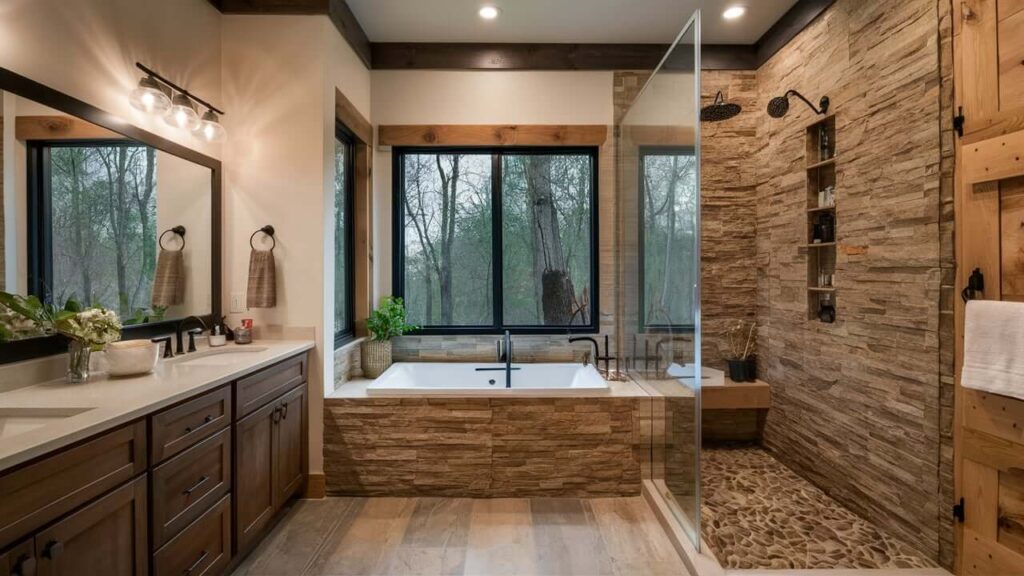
(449, 187)
(670, 234)
(557, 289)
(81, 221)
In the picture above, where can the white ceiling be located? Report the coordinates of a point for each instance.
(562, 21)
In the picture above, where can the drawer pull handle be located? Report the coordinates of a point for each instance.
(284, 411)
(25, 565)
(53, 549)
(200, 482)
(277, 414)
(197, 563)
(207, 420)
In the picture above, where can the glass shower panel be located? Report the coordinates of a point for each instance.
(659, 170)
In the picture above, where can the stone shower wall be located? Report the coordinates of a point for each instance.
(856, 404)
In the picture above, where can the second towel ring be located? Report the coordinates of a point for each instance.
(179, 230)
(269, 231)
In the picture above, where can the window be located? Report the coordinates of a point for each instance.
(344, 186)
(495, 239)
(667, 243)
(92, 222)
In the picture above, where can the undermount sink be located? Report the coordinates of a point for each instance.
(15, 421)
(218, 356)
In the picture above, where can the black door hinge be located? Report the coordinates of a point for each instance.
(958, 121)
(958, 510)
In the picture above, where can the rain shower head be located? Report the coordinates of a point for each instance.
(719, 110)
(779, 106)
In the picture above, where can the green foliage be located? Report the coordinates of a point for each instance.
(28, 317)
(388, 320)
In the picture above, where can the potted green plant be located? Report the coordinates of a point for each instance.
(384, 323)
(742, 367)
(88, 328)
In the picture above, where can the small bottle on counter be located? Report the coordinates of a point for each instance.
(243, 334)
(217, 337)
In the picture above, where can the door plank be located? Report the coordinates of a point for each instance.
(1011, 62)
(997, 415)
(985, 557)
(1011, 193)
(981, 493)
(1011, 510)
(995, 453)
(978, 40)
(994, 159)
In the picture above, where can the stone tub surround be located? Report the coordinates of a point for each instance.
(498, 446)
(115, 401)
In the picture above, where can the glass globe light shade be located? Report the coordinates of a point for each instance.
(210, 128)
(182, 113)
(150, 96)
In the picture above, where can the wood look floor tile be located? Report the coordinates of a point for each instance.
(633, 538)
(567, 538)
(365, 544)
(291, 546)
(501, 538)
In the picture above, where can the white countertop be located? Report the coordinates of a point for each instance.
(110, 402)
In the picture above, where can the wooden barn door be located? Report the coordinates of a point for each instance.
(989, 429)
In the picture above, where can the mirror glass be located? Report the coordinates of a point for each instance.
(93, 216)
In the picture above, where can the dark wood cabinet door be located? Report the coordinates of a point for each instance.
(19, 560)
(291, 431)
(106, 537)
(255, 481)
(202, 549)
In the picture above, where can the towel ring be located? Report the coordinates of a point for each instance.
(178, 230)
(269, 231)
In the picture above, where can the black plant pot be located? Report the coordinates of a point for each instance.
(743, 370)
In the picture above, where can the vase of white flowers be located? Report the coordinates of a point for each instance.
(89, 330)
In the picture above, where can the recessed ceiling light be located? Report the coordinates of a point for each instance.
(489, 12)
(734, 12)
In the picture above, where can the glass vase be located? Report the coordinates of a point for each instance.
(78, 362)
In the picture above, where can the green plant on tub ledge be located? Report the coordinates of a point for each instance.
(88, 328)
(384, 323)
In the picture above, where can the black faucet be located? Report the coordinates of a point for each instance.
(597, 353)
(191, 334)
(504, 354)
(166, 341)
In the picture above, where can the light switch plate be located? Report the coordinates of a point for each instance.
(237, 302)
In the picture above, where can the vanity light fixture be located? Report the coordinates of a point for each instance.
(489, 12)
(151, 96)
(154, 95)
(182, 113)
(734, 12)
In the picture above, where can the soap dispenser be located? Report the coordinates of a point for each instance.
(217, 337)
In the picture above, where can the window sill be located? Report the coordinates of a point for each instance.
(348, 343)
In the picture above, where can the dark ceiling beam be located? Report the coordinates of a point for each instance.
(337, 10)
(510, 56)
(798, 17)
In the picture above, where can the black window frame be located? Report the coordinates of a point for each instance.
(345, 136)
(497, 153)
(39, 209)
(642, 153)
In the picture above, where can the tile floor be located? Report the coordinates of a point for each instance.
(441, 536)
(756, 513)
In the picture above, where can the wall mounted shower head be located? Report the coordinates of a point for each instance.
(779, 106)
(719, 110)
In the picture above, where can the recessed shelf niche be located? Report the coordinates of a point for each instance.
(820, 160)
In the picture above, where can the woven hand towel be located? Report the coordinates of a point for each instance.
(994, 347)
(169, 279)
(262, 291)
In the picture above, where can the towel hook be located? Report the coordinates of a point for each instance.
(179, 230)
(269, 231)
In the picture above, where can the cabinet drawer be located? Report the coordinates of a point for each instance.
(186, 485)
(204, 547)
(255, 391)
(181, 426)
(41, 492)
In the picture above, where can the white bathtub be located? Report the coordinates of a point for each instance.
(462, 378)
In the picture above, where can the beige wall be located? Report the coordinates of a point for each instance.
(280, 73)
(452, 97)
(88, 49)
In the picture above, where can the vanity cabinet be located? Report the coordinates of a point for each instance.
(180, 491)
(270, 446)
(105, 537)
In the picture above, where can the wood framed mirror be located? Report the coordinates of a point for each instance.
(89, 203)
